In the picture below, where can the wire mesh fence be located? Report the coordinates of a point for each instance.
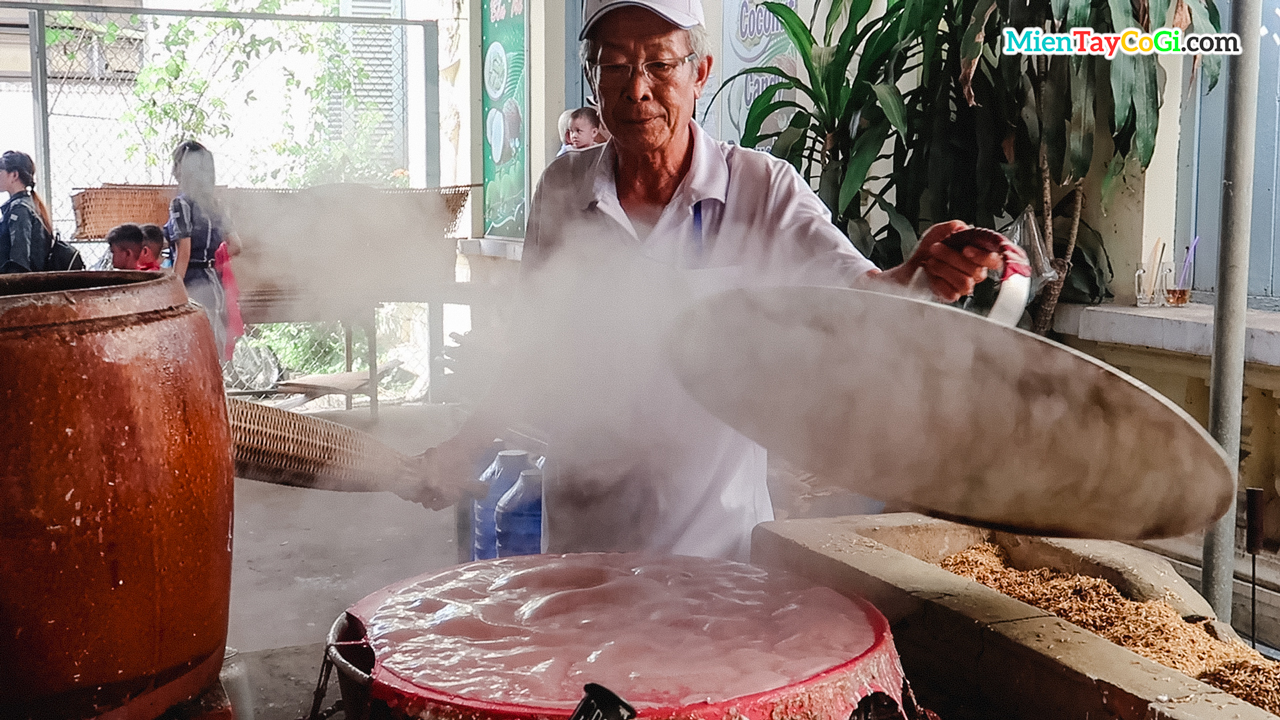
(272, 357)
(283, 102)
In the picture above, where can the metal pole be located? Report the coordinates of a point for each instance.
(1227, 364)
(431, 101)
(574, 93)
(219, 14)
(40, 103)
(371, 336)
(347, 345)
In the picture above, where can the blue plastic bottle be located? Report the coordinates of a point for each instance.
(466, 509)
(501, 475)
(518, 520)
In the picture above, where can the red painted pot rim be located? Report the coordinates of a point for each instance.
(36, 299)
(396, 690)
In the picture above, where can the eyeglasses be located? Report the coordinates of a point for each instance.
(657, 71)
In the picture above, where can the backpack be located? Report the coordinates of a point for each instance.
(63, 256)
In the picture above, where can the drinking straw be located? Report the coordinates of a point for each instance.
(1157, 252)
(1186, 263)
(1151, 269)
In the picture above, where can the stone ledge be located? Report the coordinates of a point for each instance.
(984, 649)
(1188, 329)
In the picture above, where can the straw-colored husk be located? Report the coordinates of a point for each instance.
(1151, 629)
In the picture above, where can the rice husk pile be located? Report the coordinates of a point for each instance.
(1152, 629)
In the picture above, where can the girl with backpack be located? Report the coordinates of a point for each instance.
(26, 231)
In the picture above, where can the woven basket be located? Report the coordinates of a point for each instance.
(100, 209)
(455, 199)
(289, 448)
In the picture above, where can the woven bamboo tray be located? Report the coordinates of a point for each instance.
(100, 209)
(289, 448)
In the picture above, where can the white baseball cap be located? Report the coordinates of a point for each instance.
(681, 13)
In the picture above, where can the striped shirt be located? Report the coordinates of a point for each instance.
(187, 219)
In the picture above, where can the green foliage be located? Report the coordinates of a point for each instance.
(327, 157)
(979, 120)
(320, 347)
(965, 139)
(187, 90)
(310, 348)
(851, 103)
(194, 82)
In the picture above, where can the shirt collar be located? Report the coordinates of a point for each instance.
(708, 177)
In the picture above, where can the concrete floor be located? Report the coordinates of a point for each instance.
(302, 557)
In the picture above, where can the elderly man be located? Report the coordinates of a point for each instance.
(663, 188)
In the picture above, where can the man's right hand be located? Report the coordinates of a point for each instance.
(443, 476)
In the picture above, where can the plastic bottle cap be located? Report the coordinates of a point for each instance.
(513, 457)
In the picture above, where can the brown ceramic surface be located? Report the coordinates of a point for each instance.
(115, 495)
(945, 411)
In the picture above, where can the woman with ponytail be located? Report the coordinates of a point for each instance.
(26, 232)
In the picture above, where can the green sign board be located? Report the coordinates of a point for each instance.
(506, 109)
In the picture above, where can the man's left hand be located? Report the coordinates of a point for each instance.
(952, 273)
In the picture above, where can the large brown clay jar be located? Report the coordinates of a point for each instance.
(115, 496)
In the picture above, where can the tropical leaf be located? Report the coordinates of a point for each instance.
(1115, 169)
(1059, 10)
(1159, 10)
(891, 102)
(913, 18)
(829, 187)
(907, 238)
(796, 82)
(761, 109)
(971, 46)
(857, 11)
(1027, 112)
(751, 136)
(834, 13)
(1077, 14)
(1055, 109)
(1082, 126)
(1124, 86)
(865, 150)
(789, 144)
(859, 232)
(1146, 103)
(1091, 270)
(801, 38)
(1204, 19)
(850, 40)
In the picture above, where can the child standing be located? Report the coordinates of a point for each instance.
(153, 243)
(131, 249)
(585, 129)
(195, 230)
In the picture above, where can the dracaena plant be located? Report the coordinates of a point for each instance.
(843, 106)
(994, 133)
(979, 135)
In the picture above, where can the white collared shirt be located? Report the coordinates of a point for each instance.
(680, 481)
(757, 212)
